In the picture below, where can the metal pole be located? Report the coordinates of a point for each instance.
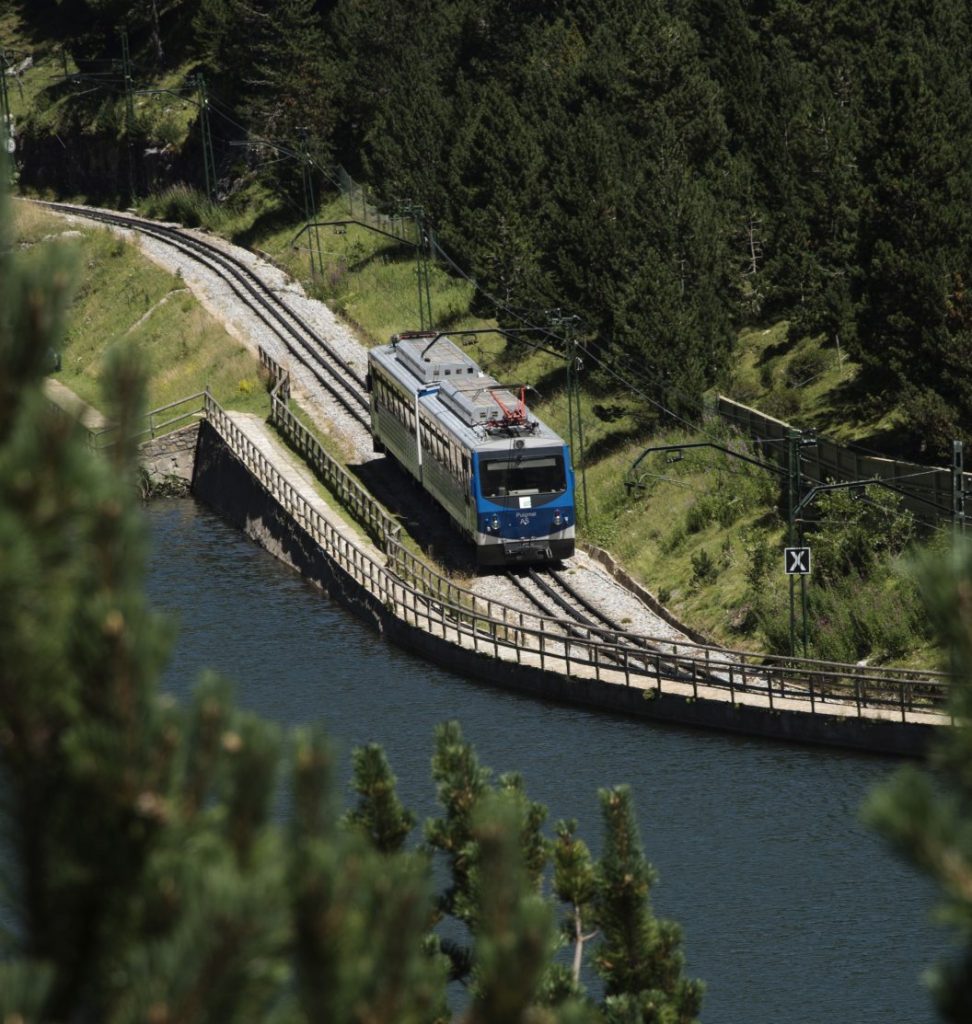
(793, 487)
(427, 259)
(422, 253)
(558, 320)
(129, 110)
(4, 99)
(127, 76)
(317, 230)
(573, 368)
(803, 601)
(310, 206)
(570, 408)
(958, 488)
(580, 424)
(209, 160)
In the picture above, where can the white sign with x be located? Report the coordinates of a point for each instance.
(796, 561)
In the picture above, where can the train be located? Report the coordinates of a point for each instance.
(503, 476)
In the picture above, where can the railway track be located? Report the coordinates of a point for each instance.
(336, 377)
(304, 345)
(549, 591)
(573, 623)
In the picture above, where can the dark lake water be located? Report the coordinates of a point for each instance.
(792, 911)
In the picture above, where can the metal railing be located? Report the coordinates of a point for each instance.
(157, 422)
(365, 509)
(421, 596)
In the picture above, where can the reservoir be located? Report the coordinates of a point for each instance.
(792, 911)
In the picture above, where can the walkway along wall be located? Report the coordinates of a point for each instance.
(230, 488)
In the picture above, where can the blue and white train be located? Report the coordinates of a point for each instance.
(503, 476)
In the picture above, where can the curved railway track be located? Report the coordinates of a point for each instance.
(331, 371)
(549, 591)
(573, 621)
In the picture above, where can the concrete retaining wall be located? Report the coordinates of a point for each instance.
(168, 462)
(226, 486)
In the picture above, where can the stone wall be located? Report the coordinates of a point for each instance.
(168, 462)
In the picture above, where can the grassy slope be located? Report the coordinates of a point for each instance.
(123, 299)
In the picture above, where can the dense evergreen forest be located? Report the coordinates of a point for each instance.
(666, 170)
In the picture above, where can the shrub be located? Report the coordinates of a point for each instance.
(759, 556)
(698, 515)
(704, 568)
(185, 205)
(773, 617)
(854, 529)
(783, 404)
(932, 423)
(805, 365)
(673, 541)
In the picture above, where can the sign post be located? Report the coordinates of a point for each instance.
(796, 562)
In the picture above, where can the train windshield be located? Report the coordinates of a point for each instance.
(523, 474)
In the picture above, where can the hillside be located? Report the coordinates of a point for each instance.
(763, 257)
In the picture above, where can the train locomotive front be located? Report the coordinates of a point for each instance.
(502, 475)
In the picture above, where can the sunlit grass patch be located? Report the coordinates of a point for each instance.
(124, 300)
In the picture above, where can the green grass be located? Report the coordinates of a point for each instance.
(806, 381)
(124, 300)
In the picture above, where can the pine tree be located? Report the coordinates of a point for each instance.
(575, 883)
(82, 746)
(361, 914)
(927, 815)
(915, 246)
(514, 935)
(379, 814)
(638, 956)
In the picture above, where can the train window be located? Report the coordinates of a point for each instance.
(523, 474)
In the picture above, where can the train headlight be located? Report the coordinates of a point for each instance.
(558, 520)
(494, 523)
